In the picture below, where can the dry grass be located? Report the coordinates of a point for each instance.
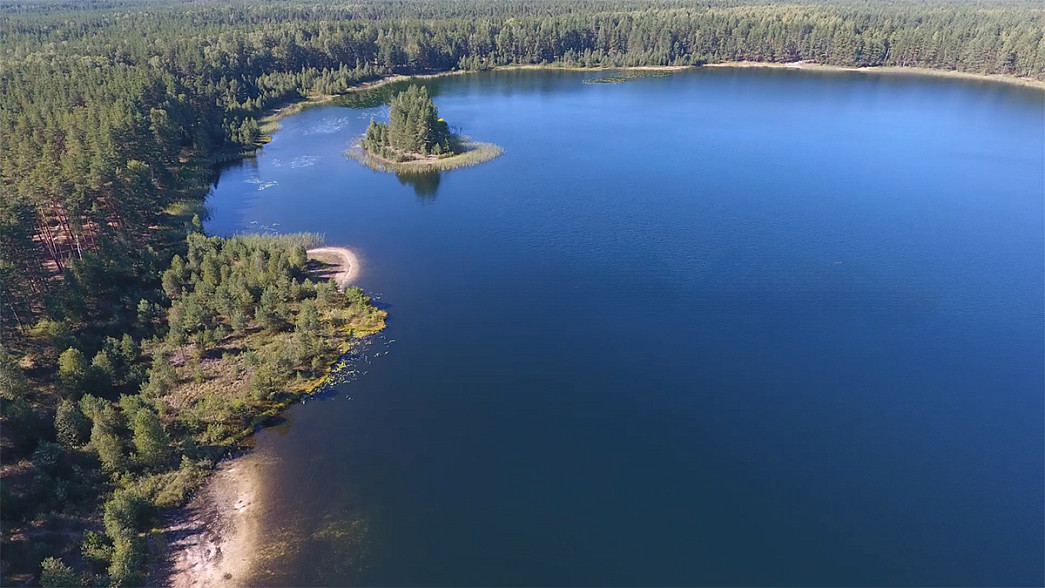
(474, 154)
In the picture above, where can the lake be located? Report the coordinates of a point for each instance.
(722, 327)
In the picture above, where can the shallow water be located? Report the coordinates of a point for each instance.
(724, 327)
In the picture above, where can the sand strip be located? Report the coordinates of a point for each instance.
(210, 542)
(342, 265)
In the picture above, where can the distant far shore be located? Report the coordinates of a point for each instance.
(270, 122)
(886, 69)
(806, 65)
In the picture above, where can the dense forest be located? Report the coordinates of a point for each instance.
(414, 129)
(136, 350)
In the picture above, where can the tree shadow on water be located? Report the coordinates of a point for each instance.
(424, 184)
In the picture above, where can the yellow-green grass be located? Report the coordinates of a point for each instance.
(474, 153)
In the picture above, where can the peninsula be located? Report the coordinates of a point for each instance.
(416, 139)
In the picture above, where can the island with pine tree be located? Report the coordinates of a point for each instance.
(416, 139)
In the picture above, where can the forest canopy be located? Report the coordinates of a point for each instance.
(414, 129)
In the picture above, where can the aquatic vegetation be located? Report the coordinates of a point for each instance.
(472, 153)
(628, 75)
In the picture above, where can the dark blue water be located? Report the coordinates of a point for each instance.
(733, 327)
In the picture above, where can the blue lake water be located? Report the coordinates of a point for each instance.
(725, 327)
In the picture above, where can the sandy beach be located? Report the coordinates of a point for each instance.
(891, 70)
(210, 542)
(213, 540)
(342, 265)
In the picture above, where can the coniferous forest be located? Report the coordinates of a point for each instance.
(414, 129)
(119, 318)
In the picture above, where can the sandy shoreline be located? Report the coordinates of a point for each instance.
(343, 265)
(888, 70)
(211, 541)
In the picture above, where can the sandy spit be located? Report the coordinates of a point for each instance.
(343, 267)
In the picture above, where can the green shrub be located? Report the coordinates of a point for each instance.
(126, 514)
(55, 574)
(150, 440)
(96, 548)
(70, 425)
(128, 558)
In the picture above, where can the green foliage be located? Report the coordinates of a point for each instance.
(171, 488)
(162, 378)
(13, 383)
(55, 574)
(70, 425)
(73, 372)
(150, 440)
(128, 558)
(414, 128)
(147, 313)
(96, 548)
(18, 422)
(109, 448)
(268, 310)
(126, 514)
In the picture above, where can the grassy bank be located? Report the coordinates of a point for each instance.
(270, 122)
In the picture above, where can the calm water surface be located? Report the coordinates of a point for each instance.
(726, 327)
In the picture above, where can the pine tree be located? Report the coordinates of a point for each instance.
(151, 442)
(70, 425)
(72, 371)
(109, 448)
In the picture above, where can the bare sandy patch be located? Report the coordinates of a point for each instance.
(211, 541)
(342, 265)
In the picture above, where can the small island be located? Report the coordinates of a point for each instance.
(416, 139)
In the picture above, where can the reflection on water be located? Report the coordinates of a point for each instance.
(378, 96)
(424, 184)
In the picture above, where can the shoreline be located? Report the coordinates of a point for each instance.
(211, 540)
(886, 70)
(344, 264)
(270, 121)
(475, 154)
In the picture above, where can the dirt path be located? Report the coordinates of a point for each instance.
(342, 265)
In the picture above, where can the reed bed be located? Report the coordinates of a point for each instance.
(474, 153)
